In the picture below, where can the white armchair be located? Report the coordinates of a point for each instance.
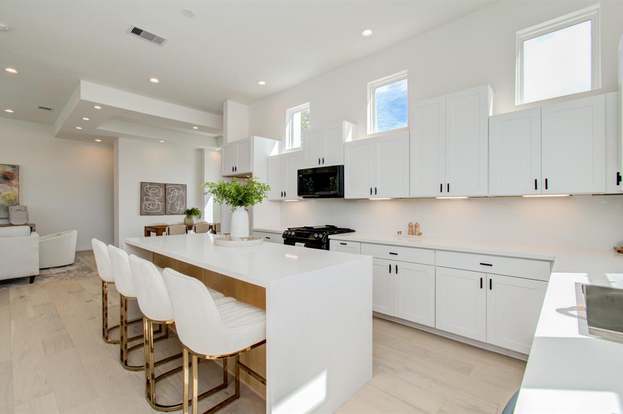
(19, 253)
(58, 249)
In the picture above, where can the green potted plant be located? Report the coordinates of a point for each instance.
(190, 214)
(239, 195)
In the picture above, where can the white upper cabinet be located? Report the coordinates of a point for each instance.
(515, 153)
(325, 146)
(573, 146)
(378, 167)
(613, 145)
(449, 144)
(247, 157)
(283, 176)
(428, 138)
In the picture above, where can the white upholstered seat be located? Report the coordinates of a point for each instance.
(104, 270)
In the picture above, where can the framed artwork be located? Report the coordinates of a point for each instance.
(175, 199)
(9, 188)
(152, 199)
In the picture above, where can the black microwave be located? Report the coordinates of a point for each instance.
(321, 182)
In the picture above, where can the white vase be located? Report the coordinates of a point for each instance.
(239, 223)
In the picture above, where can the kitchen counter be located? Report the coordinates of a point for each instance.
(267, 230)
(569, 371)
(318, 303)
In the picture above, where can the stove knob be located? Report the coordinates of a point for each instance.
(316, 236)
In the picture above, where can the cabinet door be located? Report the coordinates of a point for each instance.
(333, 148)
(515, 153)
(383, 287)
(467, 142)
(427, 149)
(358, 165)
(415, 292)
(275, 177)
(313, 147)
(613, 144)
(574, 146)
(392, 165)
(460, 302)
(293, 162)
(243, 163)
(513, 308)
(230, 154)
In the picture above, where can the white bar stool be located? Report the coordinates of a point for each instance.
(123, 282)
(153, 300)
(213, 331)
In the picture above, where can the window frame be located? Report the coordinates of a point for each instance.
(287, 143)
(591, 14)
(375, 84)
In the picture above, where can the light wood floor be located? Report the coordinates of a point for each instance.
(53, 360)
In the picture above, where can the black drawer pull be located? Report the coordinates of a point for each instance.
(396, 268)
(480, 283)
(267, 237)
(393, 253)
(486, 264)
(390, 268)
(490, 284)
(343, 244)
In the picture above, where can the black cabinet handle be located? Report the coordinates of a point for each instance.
(441, 187)
(490, 284)
(480, 283)
(396, 268)
(390, 268)
(375, 191)
(343, 244)
(448, 187)
(232, 168)
(318, 161)
(536, 184)
(322, 160)
(285, 193)
(393, 253)
(547, 183)
(370, 190)
(618, 178)
(486, 264)
(267, 237)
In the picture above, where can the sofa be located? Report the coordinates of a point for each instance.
(19, 253)
(57, 249)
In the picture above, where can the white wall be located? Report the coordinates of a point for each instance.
(138, 161)
(65, 184)
(235, 121)
(476, 49)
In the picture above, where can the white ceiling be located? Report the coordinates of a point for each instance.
(219, 53)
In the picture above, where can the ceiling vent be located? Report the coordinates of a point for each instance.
(45, 108)
(147, 35)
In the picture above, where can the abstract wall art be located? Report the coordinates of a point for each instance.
(175, 199)
(152, 199)
(9, 188)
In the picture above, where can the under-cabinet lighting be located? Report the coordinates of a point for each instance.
(290, 201)
(97, 107)
(79, 128)
(379, 199)
(452, 198)
(367, 33)
(154, 80)
(86, 118)
(291, 256)
(545, 195)
(12, 71)
(98, 140)
(9, 111)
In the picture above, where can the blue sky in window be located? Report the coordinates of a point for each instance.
(391, 106)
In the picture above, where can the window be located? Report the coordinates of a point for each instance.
(388, 106)
(297, 120)
(560, 57)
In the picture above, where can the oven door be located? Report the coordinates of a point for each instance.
(321, 182)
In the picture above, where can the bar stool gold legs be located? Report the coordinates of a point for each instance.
(195, 379)
(124, 339)
(106, 330)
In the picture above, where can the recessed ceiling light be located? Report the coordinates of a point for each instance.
(98, 140)
(9, 111)
(195, 127)
(154, 80)
(85, 118)
(11, 70)
(188, 13)
(97, 107)
(79, 128)
(162, 141)
(261, 83)
(366, 33)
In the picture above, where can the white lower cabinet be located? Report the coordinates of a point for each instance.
(513, 308)
(345, 246)
(405, 290)
(461, 303)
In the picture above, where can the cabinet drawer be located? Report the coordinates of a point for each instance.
(510, 266)
(345, 246)
(269, 237)
(405, 254)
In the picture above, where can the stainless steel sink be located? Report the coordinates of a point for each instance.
(604, 311)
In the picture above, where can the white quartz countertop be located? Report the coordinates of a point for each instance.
(260, 265)
(569, 371)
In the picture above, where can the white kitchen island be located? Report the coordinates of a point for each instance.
(318, 312)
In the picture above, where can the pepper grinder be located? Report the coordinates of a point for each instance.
(417, 229)
(411, 229)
